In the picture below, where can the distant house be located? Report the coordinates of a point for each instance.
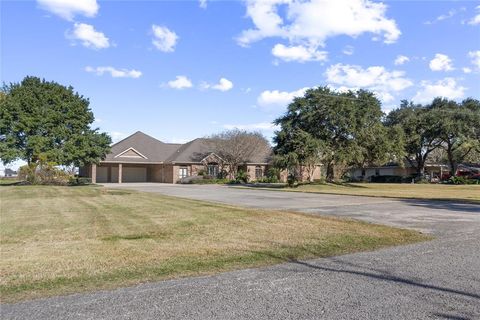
(432, 170)
(142, 158)
(9, 173)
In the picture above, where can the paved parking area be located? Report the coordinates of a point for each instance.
(439, 279)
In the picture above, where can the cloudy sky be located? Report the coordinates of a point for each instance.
(178, 70)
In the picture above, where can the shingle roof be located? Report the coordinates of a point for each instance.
(156, 151)
(193, 151)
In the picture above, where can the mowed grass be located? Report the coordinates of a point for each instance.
(60, 240)
(467, 193)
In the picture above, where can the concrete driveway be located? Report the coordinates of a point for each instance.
(439, 279)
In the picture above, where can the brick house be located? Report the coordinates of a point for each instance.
(142, 158)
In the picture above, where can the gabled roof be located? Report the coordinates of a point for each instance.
(193, 151)
(142, 148)
(150, 149)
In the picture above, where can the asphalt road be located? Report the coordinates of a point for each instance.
(439, 279)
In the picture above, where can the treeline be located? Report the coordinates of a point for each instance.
(345, 130)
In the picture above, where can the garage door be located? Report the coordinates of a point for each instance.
(102, 174)
(134, 174)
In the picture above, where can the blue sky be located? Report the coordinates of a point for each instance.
(178, 70)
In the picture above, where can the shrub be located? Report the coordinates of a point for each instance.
(291, 179)
(273, 174)
(242, 176)
(44, 173)
(27, 173)
(268, 180)
(462, 180)
(386, 179)
(79, 181)
(210, 181)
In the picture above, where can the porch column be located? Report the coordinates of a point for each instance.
(119, 173)
(93, 173)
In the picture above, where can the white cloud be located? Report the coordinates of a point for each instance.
(115, 73)
(180, 82)
(222, 85)
(476, 19)
(401, 59)
(88, 36)
(311, 23)
(348, 50)
(67, 9)
(447, 88)
(376, 78)
(298, 53)
(164, 39)
(202, 4)
(441, 62)
(446, 16)
(475, 56)
(264, 126)
(466, 70)
(276, 98)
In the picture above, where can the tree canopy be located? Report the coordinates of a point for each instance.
(443, 124)
(45, 120)
(458, 129)
(338, 129)
(237, 147)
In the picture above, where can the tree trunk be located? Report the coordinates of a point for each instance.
(330, 172)
(420, 168)
(451, 161)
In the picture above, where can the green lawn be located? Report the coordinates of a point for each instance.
(59, 240)
(467, 193)
(8, 181)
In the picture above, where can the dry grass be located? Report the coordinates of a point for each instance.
(59, 240)
(467, 193)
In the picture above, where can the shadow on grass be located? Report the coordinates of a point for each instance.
(12, 183)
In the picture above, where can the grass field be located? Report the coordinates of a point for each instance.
(468, 193)
(59, 240)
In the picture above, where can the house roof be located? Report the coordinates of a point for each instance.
(193, 151)
(142, 148)
(151, 149)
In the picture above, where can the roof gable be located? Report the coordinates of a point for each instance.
(140, 147)
(130, 153)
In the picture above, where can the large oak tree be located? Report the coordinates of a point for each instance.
(48, 121)
(458, 129)
(346, 129)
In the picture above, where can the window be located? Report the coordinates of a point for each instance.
(258, 172)
(363, 172)
(377, 172)
(212, 170)
(182, 172)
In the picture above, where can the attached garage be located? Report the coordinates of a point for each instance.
(134, 174)
(102, 174)
(109, 173)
